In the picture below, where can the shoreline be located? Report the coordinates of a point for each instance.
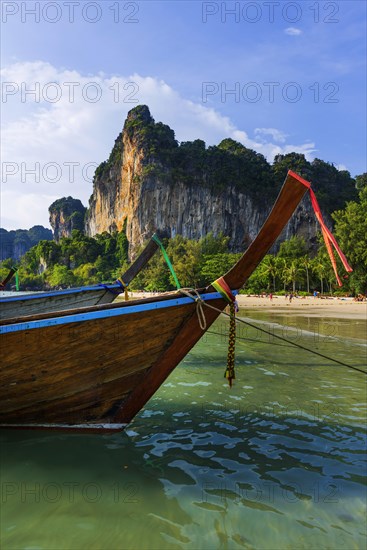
(342, 308)
(332, 307)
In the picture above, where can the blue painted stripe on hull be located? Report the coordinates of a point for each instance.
(56, 293)
(105, 313)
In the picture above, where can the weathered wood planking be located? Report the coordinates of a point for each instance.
(74, 362)
(99, 307)
(59, 302)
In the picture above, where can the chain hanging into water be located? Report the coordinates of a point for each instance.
(221, 286)
(285, 340)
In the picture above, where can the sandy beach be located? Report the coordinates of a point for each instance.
(345, 308)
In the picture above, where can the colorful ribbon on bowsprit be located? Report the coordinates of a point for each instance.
(221, 286)
(329, 239)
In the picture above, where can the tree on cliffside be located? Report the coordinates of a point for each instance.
(351, 232)
(333, 187)
(361, 181)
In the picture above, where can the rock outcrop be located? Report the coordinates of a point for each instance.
(14, 244)
(150, 183)
(66, 214)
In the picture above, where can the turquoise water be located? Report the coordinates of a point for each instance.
(276, 462)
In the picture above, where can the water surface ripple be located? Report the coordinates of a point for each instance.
(276, 462)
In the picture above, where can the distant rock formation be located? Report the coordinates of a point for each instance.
(14, 244)
(66, 214)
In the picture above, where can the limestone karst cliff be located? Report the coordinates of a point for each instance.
(151, 182)
(66, 214)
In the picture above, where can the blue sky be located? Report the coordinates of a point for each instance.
(278, 76)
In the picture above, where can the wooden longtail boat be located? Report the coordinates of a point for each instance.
(60, 300)
(94, 368)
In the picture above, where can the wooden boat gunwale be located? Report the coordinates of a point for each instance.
(54, 293)
(100, 312)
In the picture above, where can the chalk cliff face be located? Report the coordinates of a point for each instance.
(149, 184)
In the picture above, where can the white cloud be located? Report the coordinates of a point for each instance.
(341, 167)
(50, 148)
(293, 31)
(277, 135)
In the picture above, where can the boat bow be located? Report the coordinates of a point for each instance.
(94, 368)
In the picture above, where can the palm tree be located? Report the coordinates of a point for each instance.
(269, 268)
(306, 263)
(293, 273)
(319, 267)
(282, 271)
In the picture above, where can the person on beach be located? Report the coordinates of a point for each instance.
(271, 296)
(290, 297)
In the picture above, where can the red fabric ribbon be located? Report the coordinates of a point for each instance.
(329, 239)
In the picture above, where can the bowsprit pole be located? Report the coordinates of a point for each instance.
(8, 278)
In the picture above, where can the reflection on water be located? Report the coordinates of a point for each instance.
(277, 462)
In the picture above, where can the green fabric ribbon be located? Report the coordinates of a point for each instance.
(168, 262)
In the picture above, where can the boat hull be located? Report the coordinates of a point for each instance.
(81, 369)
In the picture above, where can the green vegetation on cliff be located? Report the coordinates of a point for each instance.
(66, 214)
(220, 166)
(114, 160)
